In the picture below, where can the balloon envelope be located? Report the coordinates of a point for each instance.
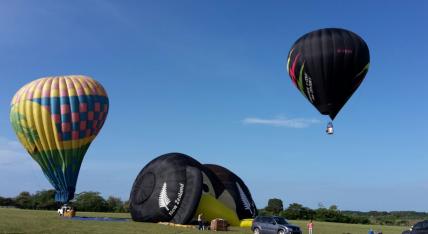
(167, 189)
(327, 66)
(242, 202)
(176, 188)
(56, 119)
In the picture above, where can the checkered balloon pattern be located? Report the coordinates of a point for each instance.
(56, 119)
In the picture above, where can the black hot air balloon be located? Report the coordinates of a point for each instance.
(240, 193)
(176, 188)
(327, 66)
(166, 183)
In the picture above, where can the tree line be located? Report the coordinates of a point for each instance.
(94, 202)
(296, 211)
(85, 201)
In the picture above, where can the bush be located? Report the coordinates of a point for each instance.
(90, 201)
(297, 211)
(115, 204)
(24, 201)
(6, 201)
(264, 212)
(45, 200)
(126, 206)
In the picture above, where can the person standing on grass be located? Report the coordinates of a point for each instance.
(310, 226)
(200, 222)
(371, 231)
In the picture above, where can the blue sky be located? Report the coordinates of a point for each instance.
(208, 78)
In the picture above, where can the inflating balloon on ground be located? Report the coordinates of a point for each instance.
(176, 188)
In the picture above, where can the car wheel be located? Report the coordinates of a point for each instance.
(256, 231)
(281, 232)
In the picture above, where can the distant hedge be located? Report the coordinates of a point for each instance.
(85, 201)
(296, 211)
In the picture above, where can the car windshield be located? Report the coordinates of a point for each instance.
(280, 220)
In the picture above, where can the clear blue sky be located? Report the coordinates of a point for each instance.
(186, 76)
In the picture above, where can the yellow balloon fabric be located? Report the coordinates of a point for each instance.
(246, 223)
(211, 208)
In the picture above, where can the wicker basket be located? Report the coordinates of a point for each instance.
(70, 213)
(219, 225)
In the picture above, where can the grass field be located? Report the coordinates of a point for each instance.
(30, 221)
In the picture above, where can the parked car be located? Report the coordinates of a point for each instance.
(418, 228)
(273, 225)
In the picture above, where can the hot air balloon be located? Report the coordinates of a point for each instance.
(176, 188)
(236, 187)
(327, 66)
(56, 119)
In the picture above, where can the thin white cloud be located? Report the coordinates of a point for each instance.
(18, 171)
(12, 153)
(282, 122)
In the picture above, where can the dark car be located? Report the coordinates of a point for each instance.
(273, 225)
(418, 228)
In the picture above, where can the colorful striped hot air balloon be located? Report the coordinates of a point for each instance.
(56, 119)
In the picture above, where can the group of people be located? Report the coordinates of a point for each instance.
(64, 209)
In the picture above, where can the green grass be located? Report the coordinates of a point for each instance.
(341, 228)
(31, 221)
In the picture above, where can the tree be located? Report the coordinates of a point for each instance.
(334, 215)
(264, 212)
(293, 211)
(275, 206)
(24, 200)
(90, 201)
(126, 206)
(297, 211)
(115, 204)
(45, 200)
(6, 201)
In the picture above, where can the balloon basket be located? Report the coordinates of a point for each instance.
(70, 213)
(219, 225)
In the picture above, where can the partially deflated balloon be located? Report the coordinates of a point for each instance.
(176, 188)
